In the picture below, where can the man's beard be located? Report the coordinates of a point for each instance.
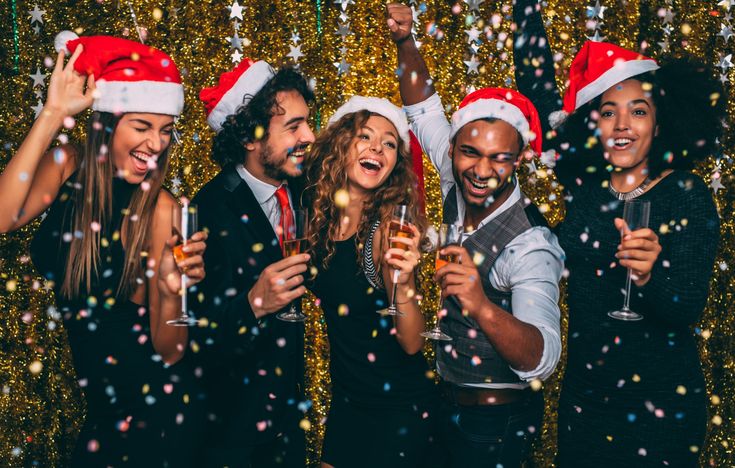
(272, 168)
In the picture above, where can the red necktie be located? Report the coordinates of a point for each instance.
(286, 214)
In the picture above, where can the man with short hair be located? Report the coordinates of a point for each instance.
(504, 327)
(253, 363)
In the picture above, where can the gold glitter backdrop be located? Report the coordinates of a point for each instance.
(345, 51)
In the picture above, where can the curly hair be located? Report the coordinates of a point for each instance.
(327, 173)
(690, 108)
(251, 121)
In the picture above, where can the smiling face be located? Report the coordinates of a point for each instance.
(373, 155)
(137, 143)
(281, 154)
(484, 157)
(627, 124)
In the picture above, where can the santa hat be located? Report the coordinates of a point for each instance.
(503, 104)
(596, 68)
(235, 88)
(130, 76)
(380, 106)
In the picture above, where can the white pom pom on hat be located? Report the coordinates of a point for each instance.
(62, 38)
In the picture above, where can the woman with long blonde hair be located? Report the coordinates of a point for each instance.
(105, 245)
(359, 171)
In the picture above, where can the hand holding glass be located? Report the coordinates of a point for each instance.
(449, 234)
(185, 224)
(294, 243)
(635, 214)
(400, 226)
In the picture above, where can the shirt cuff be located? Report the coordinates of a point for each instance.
(430, 103)
(549, 357)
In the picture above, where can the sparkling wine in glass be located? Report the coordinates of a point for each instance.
(294, 243)
(635, 213)
(449, 234)
(185, 224)
(400, 226)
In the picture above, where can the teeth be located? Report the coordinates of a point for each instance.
(141, 156)
(478, 184)
(371, 162)
(622, 141)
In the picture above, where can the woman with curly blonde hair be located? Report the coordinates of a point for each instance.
(359, 171)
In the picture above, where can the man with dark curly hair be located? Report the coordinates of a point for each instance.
(252, 363)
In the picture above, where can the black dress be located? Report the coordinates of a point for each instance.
(383, 400)
(140, 412)
(633, 392)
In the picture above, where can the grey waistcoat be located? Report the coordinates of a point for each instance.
(470, 357)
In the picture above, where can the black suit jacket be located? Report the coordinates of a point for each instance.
(252, 370)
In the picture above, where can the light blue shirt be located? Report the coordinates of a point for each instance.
(529, 267)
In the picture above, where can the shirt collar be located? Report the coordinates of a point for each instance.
(263, 191)
(510, 201)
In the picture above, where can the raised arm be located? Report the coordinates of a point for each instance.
(413, 76)
(34, 175)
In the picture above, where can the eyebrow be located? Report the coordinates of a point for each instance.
(149, 124)
(294, 120)
(389, 132)
(633, 102)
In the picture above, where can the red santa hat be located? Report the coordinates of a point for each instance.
(380, 106)
(502, 104)
(130, 76)
(596, 68)
(235, 88)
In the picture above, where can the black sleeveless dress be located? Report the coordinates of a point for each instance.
(383, 402)
(140, 412)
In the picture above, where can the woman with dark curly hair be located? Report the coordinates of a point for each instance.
(358, 171)
(633, 392)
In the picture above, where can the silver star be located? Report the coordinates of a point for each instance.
(342, 66)
(344, 30)
(343, 50)
(474, 5)
(596, 37)
(668, 17)
(37, 109)
(36, 29)
(175, 182)
(596, 11)
(344, 3)
(473, 34)
(472, 65)
(725, 4)
(174, 12)
(531, 167)
(415, 14)
(664, 45)
(36, 14)
(474, 48)
(295, 38)
(344, 17)
(39, 93)
(295, 53)
(235, 10)
(727, 17)
(723, 78)
(725, 63)
(236, 56)
(236, 25)
(725, 32)
(667, 29)
(235, 42)
(38, 78)
(716, 185)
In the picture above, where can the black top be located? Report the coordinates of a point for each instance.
(367, 363)
(604, 353)
(121, 375)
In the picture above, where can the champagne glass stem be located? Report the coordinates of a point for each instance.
(626, 303)
(184, 302)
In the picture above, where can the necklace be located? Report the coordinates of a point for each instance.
(635, 193)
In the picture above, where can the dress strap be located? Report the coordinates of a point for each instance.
(368, 266)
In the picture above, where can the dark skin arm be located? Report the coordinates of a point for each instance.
(519, 343)
(414, 82)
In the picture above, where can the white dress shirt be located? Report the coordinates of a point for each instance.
(529, 267)
(265, 194)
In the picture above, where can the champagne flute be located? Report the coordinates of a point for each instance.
(635, 213)
(294, 243)
(399, 227)
(449, 234)
(185, 224)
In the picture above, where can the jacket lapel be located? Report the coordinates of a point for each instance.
(254, 223)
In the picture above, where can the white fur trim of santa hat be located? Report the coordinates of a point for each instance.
(246, 86)
(380, 106)
(491, 109)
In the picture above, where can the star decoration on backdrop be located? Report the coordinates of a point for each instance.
(236, 56)
(295, 53)
(38, 78)
(716, 185)
(596, 36)
(596, 11)
(235, 42)
(343, 30)
(37, 109)
(472, 65)
(342, 66)
(725, 32)
(295, 38)
(474, 5)
(473, 34)
(235, 10)
(725, 62)
(36, 15)
(344, 3)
